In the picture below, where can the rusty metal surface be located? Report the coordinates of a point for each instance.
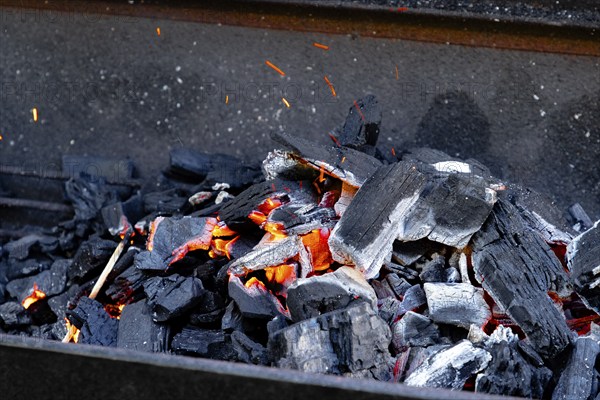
(419, 24)
(38, 369)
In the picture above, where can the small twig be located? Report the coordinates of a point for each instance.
(98, 285)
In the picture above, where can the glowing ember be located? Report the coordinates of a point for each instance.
(337, 142)
(114, 310)
(153, 226)
(276, 229)
(269, 205)
(283, 274)
(318, 248)
(34, 113)
(222, 247)
(257, 217)
(322, 174)
(393, 152)
(158, 31)
(270, 64)
(343, 159)
(321, 46)
(1, 137)
(287, 104)
(226, 99)
(254, 281)
(75, 334)
(221, 230)
(33, 297)
(330, 86)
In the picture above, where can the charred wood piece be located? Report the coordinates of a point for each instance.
(311, 297)
(450, 368)
(266, 255)
(138, 331)
(583, 259)
(172, 296)
(350, 166)
(342, 341)
(414, 330)
(94, 323)
(90, 258)
(579, 380)
(255, 301)
(518, 268)
(459, 304)
(127, 286)
(193, 341)
(362, 124)
(247, 350)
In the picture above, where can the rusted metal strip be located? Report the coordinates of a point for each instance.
(419, 25)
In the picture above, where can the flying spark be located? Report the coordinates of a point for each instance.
(287, 104)
(158, 31)
(270, 64)
(321, 46)
(330, 86)
(34, 112)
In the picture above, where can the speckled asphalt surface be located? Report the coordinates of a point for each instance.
(111, 86)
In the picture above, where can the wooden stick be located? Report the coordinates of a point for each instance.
(98, 285)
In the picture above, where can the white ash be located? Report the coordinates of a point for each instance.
(459, 304)
(452, 167)
(222, 196)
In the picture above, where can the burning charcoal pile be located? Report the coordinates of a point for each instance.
(344, 259)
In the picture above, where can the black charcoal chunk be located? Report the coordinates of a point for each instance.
(583, 259)
(19, 269)
(460, 304)
(210, 309)
(414, 330)
(399, 286)
(95, 324)
(51, 282)
(518, 268)
(388, 309)
(88, 195)
(172, 236)
(126, 286)
(402, 271)
(581, 220)
(510, 374)
(255, 301)
(138, 331)
(191, 164)
(450, 368)
(342, 341)
(193, 341)
(13, 315)
(20, 249)
(247, 350)
(172, 296)
(579, 379)
(433, 270)
(365, 234)
(356, 168)
(117, 216)
(311, 297)
(406, 253)
(90, 258)
(232, 318)
(362, 124)
(413, 299)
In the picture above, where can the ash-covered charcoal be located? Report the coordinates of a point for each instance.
(15, 269)
(509, 372)
(579, 380)
(13, 315)
(365, 234)
(236, 175)
(518, 268)
(22, 248)
(267, 254)
(402, 271)
(445, 164)
(460, 304)
(583, 259)
(311, 297)
(138, 331)
(388, 309)
(172, 296)
(300, 219)
(193, 341)
(281, 164)
(399, 286)
(51, 282)
(407, 253)
(433, 270)
(254, 300)
(414, 330)
(247, 350)
(350, 166)
(346, 196)
(414, 298)
(95, 324)
(173, 238)
(580, 219)
(361, 128)
(450, 368)
(90, 258)
(342, 341)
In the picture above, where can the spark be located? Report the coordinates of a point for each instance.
(1, 137)
(335, 140)
(358, 109)
(270, 64)
(330, 86)
(397, 74)
(34, 112)
(287, 104)
(393, 152)
(321, 46)
(402, 9)
(227, 99)
(343, 159)
(158, 31)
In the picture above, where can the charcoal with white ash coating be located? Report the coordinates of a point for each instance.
(415, 330)
(95, 324)
(450, 368)
(579, 379)
(459, 304)
(138, 331)
(518, 269)
(583, 259)
(348, 341)
(311, 297)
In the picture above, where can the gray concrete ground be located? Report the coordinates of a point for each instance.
(106, 85)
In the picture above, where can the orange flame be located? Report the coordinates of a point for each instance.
(257, 217)
(276, 229)
(222, 247)
(282, 274)
(33, 297)
(221, 230)
(254, 281)
(269, 205)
